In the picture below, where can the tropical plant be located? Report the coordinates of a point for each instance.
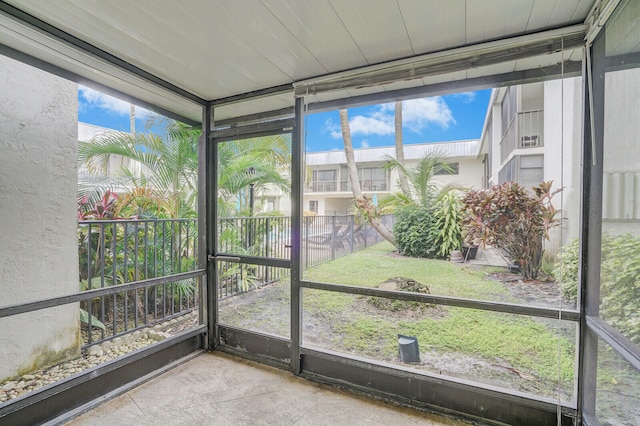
(619, 280)
(415, 231)
(420, 195)
(448, 222)
(421, 189)
(168, 163)
(514, 219)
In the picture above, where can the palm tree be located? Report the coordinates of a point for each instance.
(167, 185)
(423, 193)
(169, 165)
(258, 162)
(421, 190)
(364, 204)
(399, 148)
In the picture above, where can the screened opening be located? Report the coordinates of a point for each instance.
(100, 233)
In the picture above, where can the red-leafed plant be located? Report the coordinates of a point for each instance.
(103, 209)
(511, 218)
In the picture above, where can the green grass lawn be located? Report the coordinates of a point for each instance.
(370, 267)
(526, 344)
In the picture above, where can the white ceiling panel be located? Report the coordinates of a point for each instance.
(434, 25)
(378, 30)
(215, 49)
(318, 27)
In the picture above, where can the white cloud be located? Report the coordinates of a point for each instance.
(364, 144)
(91, 97)
(375, 125)
(332, 128)
(417, 115)
(467, 97)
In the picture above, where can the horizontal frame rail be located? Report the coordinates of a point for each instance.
(455, 396)
(509, 308)
(21, 308)
(253, 260)
(625, 347)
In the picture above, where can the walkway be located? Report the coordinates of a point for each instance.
(218, 389)
(489, 256)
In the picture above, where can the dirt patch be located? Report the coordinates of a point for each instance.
(533, 292)
(267, 310)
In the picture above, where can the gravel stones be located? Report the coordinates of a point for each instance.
(94, 355)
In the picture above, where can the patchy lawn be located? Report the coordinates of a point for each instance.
(512, 351)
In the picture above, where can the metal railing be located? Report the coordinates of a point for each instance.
(525, 131)
(143, 256)
(323, 186)
(268, 237)
(345, 185)
(118, 252)
(325, 238)
(366, 185)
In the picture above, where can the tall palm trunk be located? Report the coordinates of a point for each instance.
(404, 185)
(132, 118)
(363, 203)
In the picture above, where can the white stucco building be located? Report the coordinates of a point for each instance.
(532, 133)
(328, 189)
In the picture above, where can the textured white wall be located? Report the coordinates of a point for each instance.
(562, 151)
(621, 185)
(38, 249)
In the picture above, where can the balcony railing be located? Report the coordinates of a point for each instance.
(345, 185)
(525, 131)
(323, 186)
(366, 185)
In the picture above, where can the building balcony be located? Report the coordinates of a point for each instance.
(525, 131)
(367, 185)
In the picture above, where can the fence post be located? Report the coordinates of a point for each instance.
(364, 233)
(305, 240)
(333, 237)
(353, 224)
(267, 240)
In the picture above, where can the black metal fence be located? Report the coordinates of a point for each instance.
(116, 252)
(326, 238)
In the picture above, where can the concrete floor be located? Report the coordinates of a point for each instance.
(218, 389)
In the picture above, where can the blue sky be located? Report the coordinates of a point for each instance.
(435, 119)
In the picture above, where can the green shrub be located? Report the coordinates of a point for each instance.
(448, 225)
(566, 271)
(415, 232)
(619, 281)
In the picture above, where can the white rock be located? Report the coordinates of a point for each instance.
(9, 386)
(95, 349)
(28, 377)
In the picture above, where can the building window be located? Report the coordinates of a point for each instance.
(454, 169)
(531, 170)
(313, 206)
(324, 181)
(371, 179)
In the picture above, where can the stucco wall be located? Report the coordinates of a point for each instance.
(621, 181)
(562, 154)
(38, 252)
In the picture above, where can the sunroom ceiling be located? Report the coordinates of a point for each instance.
(220, 49)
